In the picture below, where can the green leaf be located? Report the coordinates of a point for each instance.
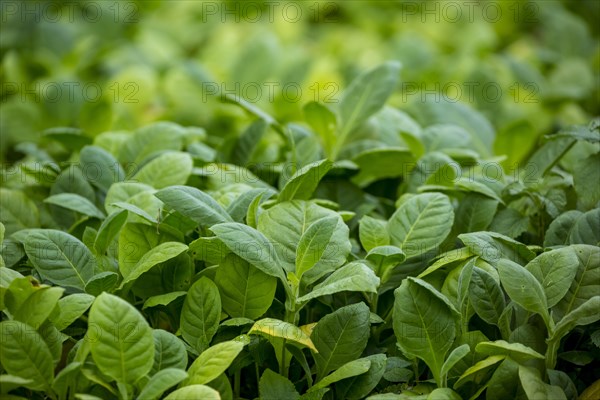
(560, 229)
(365, 96)
(194, 392)
(585, 314)
(109, 229)
(475, 213)
(373, 233)
(354, 276)
(172, 168)
(536, 388)
(248, 141)
(303, 183)
(517, 351)
(313, 243)
(200, 314)
(454, 357)
(75, 202)
(24, 353)
(274, 328)
(425, 323)
(194, 204)
(213, 362)
(586, 283)
(120, 339)
(555, 271)
(161, 382)
(323, 122)
(545, 157)
(169, 351)
(382, 163)
(492, 246)
(421, 223)
(60, 258)
(70, 308)
(348, 370)
(161, 253)
(102, 282)
(486, 296)
(238, 209)
(340, 337)
(586, 229)
(250, 245)
(285, 223)
(273, 386)
(523, 288)
(100, 167)
(504, 383)
(359, 386)
(37, 307)
(245, 290)
(477, 372)
(17, 211)
(151, 140)
(163, 299)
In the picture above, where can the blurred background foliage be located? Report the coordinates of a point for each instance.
(530, 67)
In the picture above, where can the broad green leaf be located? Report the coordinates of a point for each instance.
(238, 209)
(209, 249)
(135, 240)
(71, 138)
(384, 259)
(447, 259)
(163, 299)
(348, 370)
(587, 170)
(504, 382)
(373, 233)
(123, 192)
(38, 306)
(248, 141)
(213, 362)
(382, 163)
(560, 229)
(17, 211)
(487, 298)
(479, 371)
(245, 290)
(169, 351)
(358, 387)
(194, 204)
(200, 314)
(585, 314)
(586, 229)
(161, 382)
(151, 140)
(285, 223)
(365, 96)
(354, 276)
(340, 337)
(102, 282)
(273, 386)
(475, 213)
(274, 328)
(536, 388)
(555, 271)
(24, 353)
(109, 229)
(313, 243)
(517, 351)
(455, 356)
(70, 308)
(100, 167)
(586, 283)
(492, 246)
(120, 338)
(425, 323)
(161, 253)
(67, 379)
(172, 168)
(75, 202)
(303, 183)
(60, 258)
(323, 122)
(421, 223)
(443, 393)
(523, 288)
(250, 245)
(194, 392)
(136, 210)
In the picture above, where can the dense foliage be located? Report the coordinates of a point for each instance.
(198, 245)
